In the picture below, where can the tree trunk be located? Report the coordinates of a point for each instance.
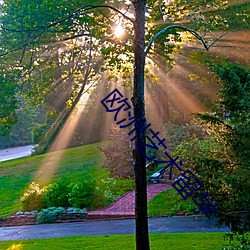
(142, 240)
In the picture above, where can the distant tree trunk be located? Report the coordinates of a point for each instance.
(142, 240)
(162, 98)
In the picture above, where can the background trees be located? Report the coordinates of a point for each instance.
(51, 43)
(8, 105)
(221, 159)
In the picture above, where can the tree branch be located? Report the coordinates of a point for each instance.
(72, 37)
(42, 29)
(218, 38)
(112, 8)
(86, 8)
(193, 32)
(74, 13)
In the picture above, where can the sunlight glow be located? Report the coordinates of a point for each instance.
(170, 99)
(52, 160)
(119, 31)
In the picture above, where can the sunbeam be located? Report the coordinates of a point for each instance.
(51, 161)
(171, 93)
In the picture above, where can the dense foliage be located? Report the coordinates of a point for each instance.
(56, 49)
(8, 105)
(56, 194)
(48, 215)
(32, 199)
(88, 193)
(221, 159)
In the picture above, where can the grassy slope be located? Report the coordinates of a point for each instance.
(171, 241)
(76, 163)
(16, 175)
(170, 202)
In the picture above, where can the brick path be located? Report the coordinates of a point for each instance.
(124, 207)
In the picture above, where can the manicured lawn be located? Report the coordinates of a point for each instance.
(170, 241)
(170, 202)
(16, 175)
(75, 164)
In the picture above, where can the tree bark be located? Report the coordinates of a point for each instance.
(142, 239)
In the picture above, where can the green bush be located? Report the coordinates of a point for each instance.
(85, 194)
(33, 198)
(57, 193)
(221, 159)
(243, 242)
(109, 189)
(48, 215)
(81, 194)
(105, 191)
(123, 185)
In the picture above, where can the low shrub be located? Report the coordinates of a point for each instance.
(109, 189)
(73, 209)
(48, 215)
(243, 242)
(88, 193)
(33, 197)
(57, 193)
(103, 194)
(123, 185)
(81, 194)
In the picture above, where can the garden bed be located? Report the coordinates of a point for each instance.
(30, 219)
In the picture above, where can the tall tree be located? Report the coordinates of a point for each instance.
(142, 240)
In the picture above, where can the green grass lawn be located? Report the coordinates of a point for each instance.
(16, 175)
(170, 202)
(169, 241)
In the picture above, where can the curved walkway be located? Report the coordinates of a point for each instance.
(125, 205)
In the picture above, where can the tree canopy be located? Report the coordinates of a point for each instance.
(58, 45)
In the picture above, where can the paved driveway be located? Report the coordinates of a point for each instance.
(14, 153)
(156, 225)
